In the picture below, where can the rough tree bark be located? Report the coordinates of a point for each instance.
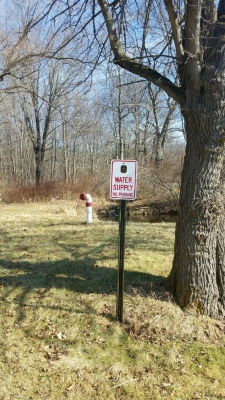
(198, 272)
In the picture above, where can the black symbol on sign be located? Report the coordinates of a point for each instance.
(123, 169)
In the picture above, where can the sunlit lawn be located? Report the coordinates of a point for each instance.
(59, 335)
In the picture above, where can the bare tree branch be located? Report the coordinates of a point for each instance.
(192, 40)
(175, 29)
(129, 64)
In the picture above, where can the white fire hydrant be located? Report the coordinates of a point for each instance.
(88, 198)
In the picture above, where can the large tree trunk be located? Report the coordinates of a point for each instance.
(198, 271)
(221, 246)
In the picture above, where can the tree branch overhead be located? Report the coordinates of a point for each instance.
(129, 64)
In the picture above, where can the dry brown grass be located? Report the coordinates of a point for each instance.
(59, 335)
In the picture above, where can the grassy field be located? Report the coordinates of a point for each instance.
(59, 335)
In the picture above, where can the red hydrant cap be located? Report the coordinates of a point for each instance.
(83, 196)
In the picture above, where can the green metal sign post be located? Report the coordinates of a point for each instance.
(121, 252)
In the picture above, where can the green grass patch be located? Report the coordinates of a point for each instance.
(59, 335)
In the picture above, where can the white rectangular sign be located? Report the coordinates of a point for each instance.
(123, 179)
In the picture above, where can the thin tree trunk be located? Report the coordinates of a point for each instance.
(159, 151)
(65, 153)
(37, 167)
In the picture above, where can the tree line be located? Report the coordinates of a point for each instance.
(54, 126)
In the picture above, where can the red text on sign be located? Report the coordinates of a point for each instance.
(123, 179)
(123, 187)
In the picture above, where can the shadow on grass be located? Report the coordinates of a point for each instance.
(34, 281)
(83, 276)
(80, 272)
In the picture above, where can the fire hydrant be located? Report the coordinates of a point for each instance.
(88, 198)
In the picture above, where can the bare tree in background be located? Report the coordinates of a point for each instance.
(163, 112)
